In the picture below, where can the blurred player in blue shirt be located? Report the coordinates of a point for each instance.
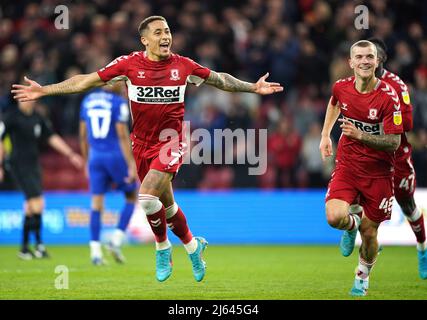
(105, 145)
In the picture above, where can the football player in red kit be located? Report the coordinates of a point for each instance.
(371, 133)
(156, 80)
(404, 173)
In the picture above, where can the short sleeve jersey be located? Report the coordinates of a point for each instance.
(405, 103)
(376, 112)
(156, 92)
(101, 110)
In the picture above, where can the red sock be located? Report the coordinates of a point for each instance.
(419, 230)
(178, 224)
(157, 223)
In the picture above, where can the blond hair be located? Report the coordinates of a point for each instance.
(364, 44)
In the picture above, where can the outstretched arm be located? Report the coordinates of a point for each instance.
(227, 82)
(78, 83)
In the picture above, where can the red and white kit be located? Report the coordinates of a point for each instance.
(156, 92)
(404, 173)
(361, 170)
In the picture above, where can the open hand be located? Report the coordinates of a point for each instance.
(263, 87)
(25, 93)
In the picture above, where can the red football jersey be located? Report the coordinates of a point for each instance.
(156, 92)
(401, 89)
(376, 112)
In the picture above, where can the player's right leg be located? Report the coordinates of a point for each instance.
(341, 193)
(99, 181)
(97, 207)
(177, 222)
(154, 184)
(25, 253)
(338, 217)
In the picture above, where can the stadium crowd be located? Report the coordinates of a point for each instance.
(303, 44)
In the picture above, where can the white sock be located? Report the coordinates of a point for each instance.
(415, 215)
(355, 208)
(354, 221)
(117, 237)
(163, 245)
(364, 269)
(191, 246)
(422, 246)
(95, 249)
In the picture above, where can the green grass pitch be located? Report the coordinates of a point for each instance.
(234, 272)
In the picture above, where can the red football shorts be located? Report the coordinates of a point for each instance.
(376, 195)
(404, 178)
(168, 159)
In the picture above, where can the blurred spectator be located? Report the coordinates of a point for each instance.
(311, 159)
(303, 44)
(284, 147)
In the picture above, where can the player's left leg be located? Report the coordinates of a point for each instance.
(367, 256)
(377, 201)
(177, 222)
(97, 207)
(36, 207)
(416, 221)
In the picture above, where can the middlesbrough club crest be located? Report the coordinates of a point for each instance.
(174, 74)
(373, 114)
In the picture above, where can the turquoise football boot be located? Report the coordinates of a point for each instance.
(199, 266)
(422, 263)
(360, 288)
(163, 264)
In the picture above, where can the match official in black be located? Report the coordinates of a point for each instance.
(27, 129)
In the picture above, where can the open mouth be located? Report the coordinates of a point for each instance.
(164, 46)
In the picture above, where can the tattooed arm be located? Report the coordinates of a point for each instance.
(226, 82)
(76, 84)
(383, 142)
